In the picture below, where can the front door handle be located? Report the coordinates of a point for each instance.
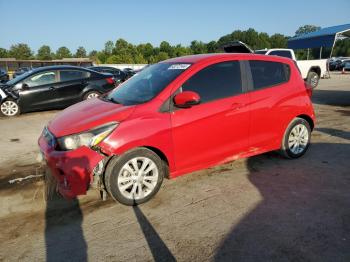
(237, 106)
(52, 88)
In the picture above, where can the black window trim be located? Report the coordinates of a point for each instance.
(168, 106)
(250, 76)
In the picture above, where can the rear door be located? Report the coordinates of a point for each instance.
(71, 85)
(40, 92)
(271, 98)
(217, 128)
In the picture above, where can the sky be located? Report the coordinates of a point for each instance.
(88, 23)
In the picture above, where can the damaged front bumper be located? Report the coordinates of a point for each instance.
(73, 169)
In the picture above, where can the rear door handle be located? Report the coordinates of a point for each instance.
(52, 88)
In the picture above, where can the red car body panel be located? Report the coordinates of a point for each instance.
(191, 138)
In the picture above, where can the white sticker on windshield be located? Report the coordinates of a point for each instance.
(179, 66)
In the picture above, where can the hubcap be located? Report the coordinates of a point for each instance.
(298, 139)
(314, 80)
(9, 108)
(138, 178)
(92, 95)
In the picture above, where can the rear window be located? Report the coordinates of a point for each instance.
(69, 75)
(268, 73)
(283, 53)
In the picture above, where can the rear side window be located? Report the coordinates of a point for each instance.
(70, 75)
(268, 73)
(216, 81)
(283, 53)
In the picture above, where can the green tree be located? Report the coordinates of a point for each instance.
(212, 47)
(81, 52)
(44, 53)
(161, 56)
(278, 40)
(109, 45)
(306, 29)
(198, 47)
(63, 52)
(166, 48)
(21, 51)
(3, 53)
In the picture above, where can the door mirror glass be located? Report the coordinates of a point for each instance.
(18, 86)
(186, 99)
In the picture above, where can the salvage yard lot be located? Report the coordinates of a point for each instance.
(260, 208)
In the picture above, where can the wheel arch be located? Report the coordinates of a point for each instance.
(308, 119)
(315, 69)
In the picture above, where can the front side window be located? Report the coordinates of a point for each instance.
(145, 85)
(45, 78)
(70, 75)
(216, 81)
(268, 73)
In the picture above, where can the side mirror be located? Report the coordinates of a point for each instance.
(19, 86)
(186, 99)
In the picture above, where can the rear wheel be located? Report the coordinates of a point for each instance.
(135, 177)
(312, 79)
(296, 139)
(91, 94)
(9, 108)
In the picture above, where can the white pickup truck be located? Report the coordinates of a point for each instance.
(311, 70)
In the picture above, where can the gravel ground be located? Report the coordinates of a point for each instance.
(263, 208)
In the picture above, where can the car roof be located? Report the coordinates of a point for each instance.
(193, 59)
(59, 67)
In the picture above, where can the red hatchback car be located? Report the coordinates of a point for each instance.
(175, 117)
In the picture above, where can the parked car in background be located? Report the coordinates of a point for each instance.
(4, 77)
(311, 70)
(52, 87)
(178, 116)
(343, 63)
(130, 72)
(119, 75)
(347, 66)
(21, 71)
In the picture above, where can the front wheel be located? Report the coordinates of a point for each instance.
(135, 177)
(312, 79)
(296, 139)
(10, 108)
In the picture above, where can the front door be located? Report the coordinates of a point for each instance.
(217, 129)
(39, 92)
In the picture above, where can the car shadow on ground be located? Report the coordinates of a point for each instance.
(331, 97)
(304, 214)
(334, 132)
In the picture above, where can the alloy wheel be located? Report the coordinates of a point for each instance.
(298, 139)
(9, 108)
(138, 178)
(92, 95)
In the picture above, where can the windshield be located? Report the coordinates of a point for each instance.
(145, 85)
(19, 78)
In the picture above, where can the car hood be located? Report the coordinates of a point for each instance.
(87, 115)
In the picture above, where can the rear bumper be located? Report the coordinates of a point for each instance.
(73, 169)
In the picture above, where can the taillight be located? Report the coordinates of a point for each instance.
(308, 89)
(110, 80)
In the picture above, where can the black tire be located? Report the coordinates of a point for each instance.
(313, 79)
(9, 115)
(116, 164)
(286, 150)
(88, 94)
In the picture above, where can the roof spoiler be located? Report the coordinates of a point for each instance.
(237, 47)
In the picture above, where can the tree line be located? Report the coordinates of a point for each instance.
(121, 51)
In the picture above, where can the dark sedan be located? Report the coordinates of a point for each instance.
(4, 77)
(52, 87)
(118, 74)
